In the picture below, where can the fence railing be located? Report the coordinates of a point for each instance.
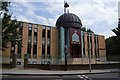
(70, 60)
(75, 60)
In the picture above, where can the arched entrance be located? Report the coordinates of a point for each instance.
(76, 51)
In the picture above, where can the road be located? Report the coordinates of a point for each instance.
(107, 76)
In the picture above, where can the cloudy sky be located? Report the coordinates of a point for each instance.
(99, 15)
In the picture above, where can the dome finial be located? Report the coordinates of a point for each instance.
(65, 6)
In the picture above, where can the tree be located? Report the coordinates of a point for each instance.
(110, 46)
(84, 29)
(117, 38)
(113, 44)
(10, 27)
(87, 30)
(4, 5)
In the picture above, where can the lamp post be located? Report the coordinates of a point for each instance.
(89, 55)
(65, 50)
(89, 62)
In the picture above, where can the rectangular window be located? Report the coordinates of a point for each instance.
(95, 45)
(35, 34)
(98, 48)
(29, 50)
(48, 43)
(34, 51)
(43, 31)
(95, 41)
(83, 44)
(48, 32)
(30, 29)
(43, 51)
(35, 28)
(48, 48)
(43, 41)
(91, 45)
(48, 51)
(29, 40)
(30, 26)
(35, 42)
(30, 32)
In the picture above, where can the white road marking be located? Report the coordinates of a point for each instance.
(85, 76)
(80, 76)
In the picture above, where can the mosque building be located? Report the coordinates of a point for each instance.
(44, 44)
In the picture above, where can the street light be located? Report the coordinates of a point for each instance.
(89, 56)
(65, 50)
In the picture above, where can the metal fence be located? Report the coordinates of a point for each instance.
(73, 60)
(70, 60)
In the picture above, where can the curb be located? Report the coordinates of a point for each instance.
(60, 74)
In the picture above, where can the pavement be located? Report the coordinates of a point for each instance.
(55, 73)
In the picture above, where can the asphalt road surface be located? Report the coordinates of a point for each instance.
(107, 76)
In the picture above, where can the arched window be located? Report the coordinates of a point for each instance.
(75, 37)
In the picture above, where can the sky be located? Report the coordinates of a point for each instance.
(99, 15)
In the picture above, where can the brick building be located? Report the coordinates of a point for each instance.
(42, 44)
